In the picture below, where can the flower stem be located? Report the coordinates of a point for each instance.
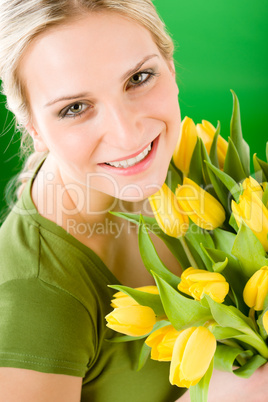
(188, 252)
(251, 315)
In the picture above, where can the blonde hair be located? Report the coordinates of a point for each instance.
(22, 20)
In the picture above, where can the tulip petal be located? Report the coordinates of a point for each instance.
(265, 321)
(193, 351)
(185, 145)
(206, 132)
(206, 276)
(256, 289)
(203, 209)
(198, 282)
(162, 343)
(261, 294)
(253, 212)
(198, 353)
(132, 320)
(252, 184)
(167, 212)
(177, 356)
(217, 291)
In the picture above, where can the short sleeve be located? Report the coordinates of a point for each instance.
(43, 328)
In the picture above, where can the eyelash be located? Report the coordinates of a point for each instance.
(64, 112)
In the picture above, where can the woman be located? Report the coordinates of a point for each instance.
(93, 84)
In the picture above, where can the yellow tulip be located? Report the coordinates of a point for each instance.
(264, 185)
(185, 145)
(252, 185)
(193, 351)
(203, 209)
(162, 343)
(187, 141)
(206, 132)
(256, 289)
(253, 212)
(167, 212)
(132, 320)
(197, 282)
(123, 300)
(265, 321)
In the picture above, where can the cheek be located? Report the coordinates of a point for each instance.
(163, 102)
(72, 144)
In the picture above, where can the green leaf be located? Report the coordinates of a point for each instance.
(196, 236)
(173, 178)
(237, 137)
(224, 332)
(265, 304)
(125, 338)
(250, 367)
(223, 239)
(195, 169)
(233, 274)
(228, 181)
(143, 298)
(262, 330)
(254, 341)
(232, 223)
(213, 154)
(249, 251)
(143, 357)
(194, 250)
(225, 357)
(257, 169)
(181, 311)
(220, 190)
(260, 319)
(229, 316)
(150, 257)
(265, 197)
(264, 167)
(220, 266)
(267, 151)
(232, 165)
(172, 243)
(205, 157)
(199, 392)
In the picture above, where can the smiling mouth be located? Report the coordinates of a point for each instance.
(131, 161)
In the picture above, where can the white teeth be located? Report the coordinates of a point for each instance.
(132, 161)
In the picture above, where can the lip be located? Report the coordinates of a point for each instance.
(139, 167)
(130, 156)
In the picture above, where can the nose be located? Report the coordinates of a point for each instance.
(122, 125)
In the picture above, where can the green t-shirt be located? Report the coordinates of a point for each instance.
(53, 300)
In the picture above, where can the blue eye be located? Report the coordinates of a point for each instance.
(76, 109)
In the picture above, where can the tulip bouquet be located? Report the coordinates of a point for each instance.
(213, 216)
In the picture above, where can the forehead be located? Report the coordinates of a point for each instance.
(97, 44)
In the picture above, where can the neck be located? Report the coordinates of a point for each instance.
(71, 204)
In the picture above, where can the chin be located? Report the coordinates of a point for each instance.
(139, 192)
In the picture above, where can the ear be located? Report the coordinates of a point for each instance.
(39, 144)
(171, 67)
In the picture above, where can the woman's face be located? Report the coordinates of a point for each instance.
(101, 95)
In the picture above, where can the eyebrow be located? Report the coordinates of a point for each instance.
(138, 66)
(86, 94)
(68, 97)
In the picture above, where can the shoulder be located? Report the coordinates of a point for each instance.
(32, 386)
(44, 328)
(19, 245)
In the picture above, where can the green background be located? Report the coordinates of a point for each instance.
(220, 45)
